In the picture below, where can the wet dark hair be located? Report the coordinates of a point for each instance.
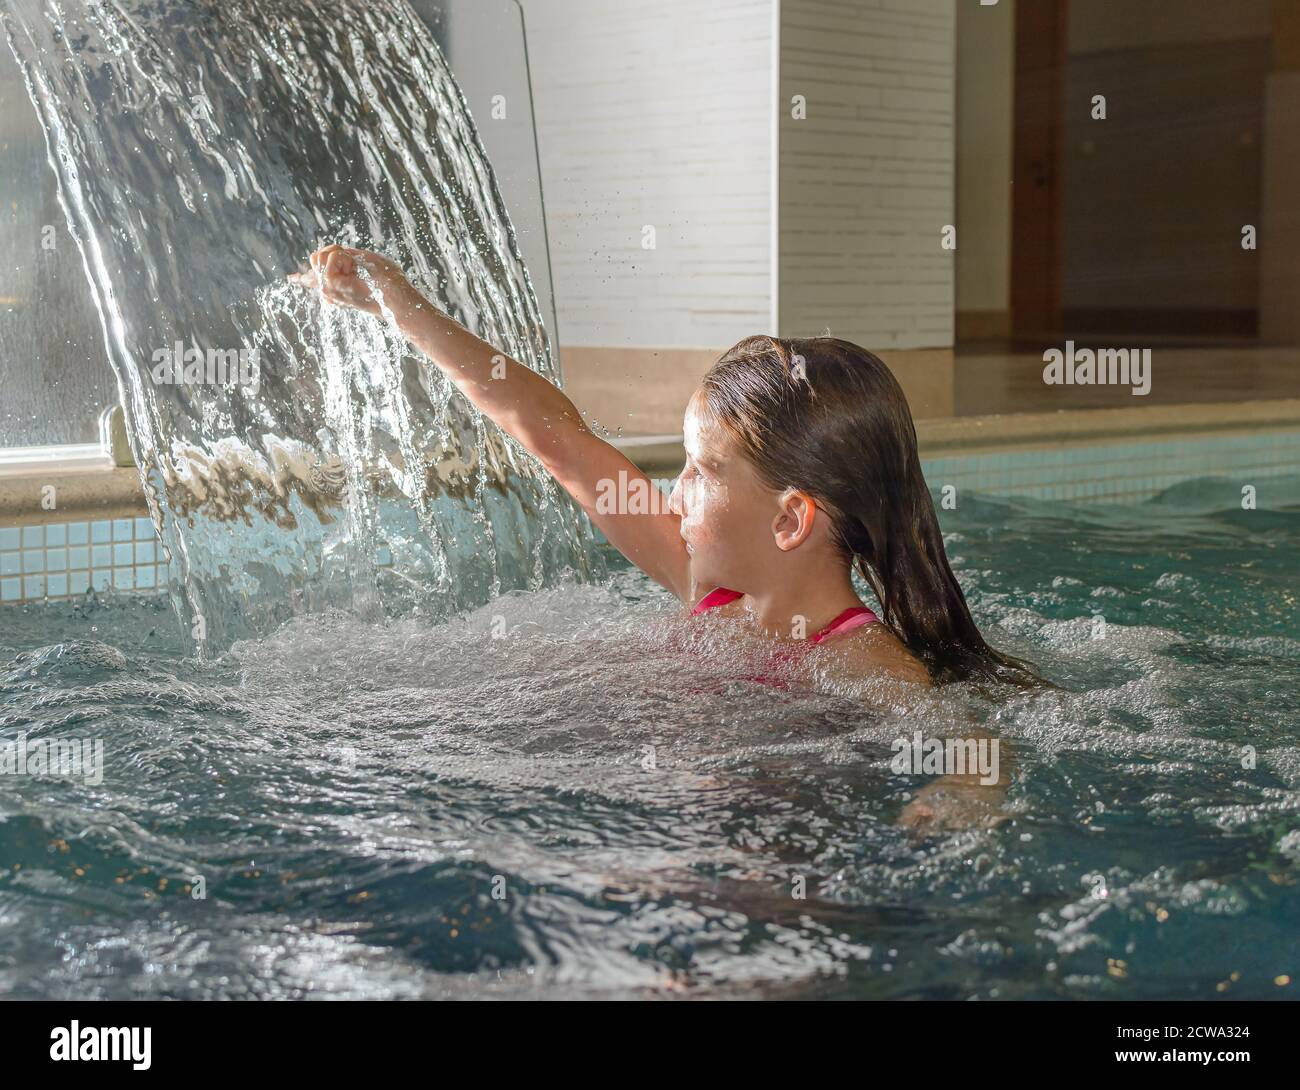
(827, 417)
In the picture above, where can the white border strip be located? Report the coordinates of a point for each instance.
(63, 458)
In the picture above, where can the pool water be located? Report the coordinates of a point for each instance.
(579, 793)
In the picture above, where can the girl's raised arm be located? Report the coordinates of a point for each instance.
(522, 403)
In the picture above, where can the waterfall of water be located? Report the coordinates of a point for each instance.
(296, 456)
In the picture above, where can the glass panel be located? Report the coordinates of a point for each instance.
(486, 46)
(54, 372)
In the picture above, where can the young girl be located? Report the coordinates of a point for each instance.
(801, 466)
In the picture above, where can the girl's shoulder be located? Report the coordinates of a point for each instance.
(873, 649)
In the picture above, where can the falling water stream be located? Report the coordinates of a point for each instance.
(202, 151)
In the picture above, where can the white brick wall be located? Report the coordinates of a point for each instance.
(866, 182)
(667, 114)
(656, 114)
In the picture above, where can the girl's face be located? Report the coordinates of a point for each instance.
(727, 513)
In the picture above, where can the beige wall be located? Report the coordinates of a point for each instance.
(985, 82)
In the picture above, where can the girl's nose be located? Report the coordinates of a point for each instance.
(675, 498)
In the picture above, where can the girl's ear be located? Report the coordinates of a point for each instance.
(794, 522)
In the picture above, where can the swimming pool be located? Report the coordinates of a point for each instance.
(575, 793)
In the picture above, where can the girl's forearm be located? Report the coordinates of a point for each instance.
(520, 401)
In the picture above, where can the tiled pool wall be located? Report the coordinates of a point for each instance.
(1117, 472)
(65, 560)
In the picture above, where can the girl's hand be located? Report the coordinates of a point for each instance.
(948, 807)
(337, 272)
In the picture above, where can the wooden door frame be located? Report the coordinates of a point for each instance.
(1038, 111)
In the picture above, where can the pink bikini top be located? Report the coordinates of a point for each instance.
(851, 618)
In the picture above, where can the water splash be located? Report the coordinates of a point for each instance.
(202, 150)
(605, 801)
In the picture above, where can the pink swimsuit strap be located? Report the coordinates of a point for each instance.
(851, 618)
(715, 598)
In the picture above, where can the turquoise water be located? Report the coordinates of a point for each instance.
(465, 808)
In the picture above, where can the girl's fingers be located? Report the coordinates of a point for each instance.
(321, 256)
(338, 264)
(327, 263)
(307, 278)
